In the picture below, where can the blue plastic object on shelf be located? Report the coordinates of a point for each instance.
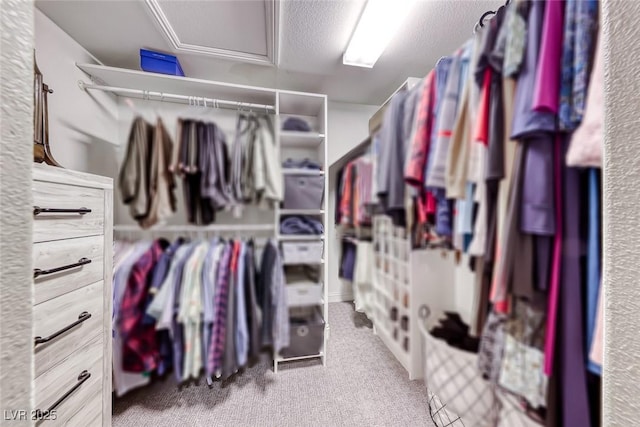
(162, 63)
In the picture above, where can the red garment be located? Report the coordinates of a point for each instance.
(139, 347)
(419, 147)
(481, 132)
(347, 196)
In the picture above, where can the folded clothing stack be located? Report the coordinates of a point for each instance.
(298, 224)
(456, 333)
(301, 164)
(296, 124)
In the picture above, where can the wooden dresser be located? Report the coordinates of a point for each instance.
(72, 261)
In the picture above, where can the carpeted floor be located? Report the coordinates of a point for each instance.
(362, 385)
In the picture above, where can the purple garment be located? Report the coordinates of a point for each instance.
(547, 85)
(527, 121)
(573, 369)
(296, 124)
(538, 207)
(301, 225)
(217, 346)
(444, 213)
(348, 260)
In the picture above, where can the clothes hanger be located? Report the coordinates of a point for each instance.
(484, 15)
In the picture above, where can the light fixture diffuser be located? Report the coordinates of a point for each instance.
(376, 27)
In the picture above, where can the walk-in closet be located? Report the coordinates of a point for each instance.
(315, 213)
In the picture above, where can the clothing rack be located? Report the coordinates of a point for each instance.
(197, 230)
(179, 99)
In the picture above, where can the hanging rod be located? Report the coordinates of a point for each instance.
(197, 228)
(180, 99)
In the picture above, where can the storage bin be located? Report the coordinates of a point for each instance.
(301, 294)
(306, 334)
(302, 252)
(303, 192)
(156, 62)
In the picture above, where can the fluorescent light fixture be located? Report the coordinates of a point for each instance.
(378, 23)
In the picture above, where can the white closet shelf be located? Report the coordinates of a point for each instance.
(301, 212)
(299, 171)
(301, 103)
(302, 238)
(187, 228)
(304, 263)
(134, 79)
(291, 359)
(300, 139)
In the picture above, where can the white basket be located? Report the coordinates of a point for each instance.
(301, 294)
(302, 252)
(458, 395)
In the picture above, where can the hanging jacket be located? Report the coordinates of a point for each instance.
(133, 179)
(161, 182)
(269, 181)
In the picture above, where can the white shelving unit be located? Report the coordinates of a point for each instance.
(399, 283)
(313, 145)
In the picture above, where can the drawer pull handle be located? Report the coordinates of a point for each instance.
(84, 376)
(38, 210)
(38, 272)
(81, 318)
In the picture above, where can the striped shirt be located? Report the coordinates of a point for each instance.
(216, 349)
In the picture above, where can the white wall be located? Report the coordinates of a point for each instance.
(16, 215)
(348, 127)
(621, 200)
(81, 124)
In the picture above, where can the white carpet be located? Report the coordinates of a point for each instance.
(362, 385)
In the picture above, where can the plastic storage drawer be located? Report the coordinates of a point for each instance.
(302, 252)
(156, 62)
(304, 294)
(303, 192)
(306, 335)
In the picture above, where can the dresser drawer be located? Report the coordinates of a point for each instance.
(64, 225)
(64, 376)
(61, 312)
(49, 256)
(83, 408)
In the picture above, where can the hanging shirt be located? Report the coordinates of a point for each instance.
(139, 351)
(443, 68)
(446, 121)
(242, 330)
(190, 312)
(588, 139)
(594, 257)
(391, 157)
(160, 302)
(419, 149)
(216, 350)
(580, 29)
(209, 276)
(123, 381)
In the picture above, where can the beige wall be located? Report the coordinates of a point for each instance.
(16, 157)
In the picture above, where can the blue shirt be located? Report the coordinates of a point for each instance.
(242, 331)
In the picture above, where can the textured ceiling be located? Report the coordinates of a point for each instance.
(215, 24)
(313, 36)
